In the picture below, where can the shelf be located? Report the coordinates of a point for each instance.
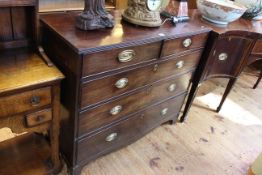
(26, 154)
(66, 5)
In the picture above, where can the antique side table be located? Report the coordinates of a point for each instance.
(29, 94)
(229, 50)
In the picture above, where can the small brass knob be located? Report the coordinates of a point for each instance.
(116, 110)
(126, 56)
(223, 56)
(35, 100)
(121, 83)
(40, 118)
(155, 68)
(187, 42)
(180, 64)
(111, 137)
(172, 87)
(164, 111)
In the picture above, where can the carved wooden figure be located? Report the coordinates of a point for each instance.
(94, 16)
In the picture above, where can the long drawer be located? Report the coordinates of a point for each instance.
(29, 100)
(103, 115)
(119, 58)
(105, 88)
(128, 130)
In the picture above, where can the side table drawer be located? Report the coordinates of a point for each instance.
(174, 46)
(39, 117)
(128, 130)
(258, 48)
(24, 101)
(118, 58)
(105, 88)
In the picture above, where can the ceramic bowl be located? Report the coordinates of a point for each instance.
(254, 8)
(220, 12)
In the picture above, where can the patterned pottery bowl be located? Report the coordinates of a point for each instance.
(254, 8)
(220, 12)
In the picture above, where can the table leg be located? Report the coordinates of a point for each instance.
(229, 87)
(191, 97)
(54, 131)
(258, 80)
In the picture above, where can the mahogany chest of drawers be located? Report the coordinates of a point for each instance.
(120, 83)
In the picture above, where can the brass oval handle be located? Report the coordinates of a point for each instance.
(172, 87)
(116, 110)
(180, 64)
(121, 83)
(126, 56)
(187, 42)
(222, 56)
(111, 137)
(35, 100)
(164, 111)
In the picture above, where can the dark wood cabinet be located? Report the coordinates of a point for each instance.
(121, 82)
(229, 50)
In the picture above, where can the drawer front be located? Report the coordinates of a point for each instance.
(38, 117)
(25, 101)
(174, 46)
(258, 47)
(129, 130)
(227, 60)
(105, 88)
(108, 113)
(118, 58)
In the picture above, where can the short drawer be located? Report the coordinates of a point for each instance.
(119, 58)
(38, 117)
(102, 89)
(128, 130)
(174, 46)
(258, 47)
(25, 101)
(104, 115)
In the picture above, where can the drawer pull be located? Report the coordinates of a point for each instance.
(222, 56)
(40, 118)
(164, 111)
(187, 42)
(155, 67)
(111, 137)
(180, 64)
(116, 110)
(172, 87)
(121, 83)
(35, 100)
(126, 56)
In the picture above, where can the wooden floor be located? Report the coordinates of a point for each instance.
(207, 144)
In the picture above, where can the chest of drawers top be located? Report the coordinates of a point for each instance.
(122, 35)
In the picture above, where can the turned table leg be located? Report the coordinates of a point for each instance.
(229, 87)
(258, 80)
